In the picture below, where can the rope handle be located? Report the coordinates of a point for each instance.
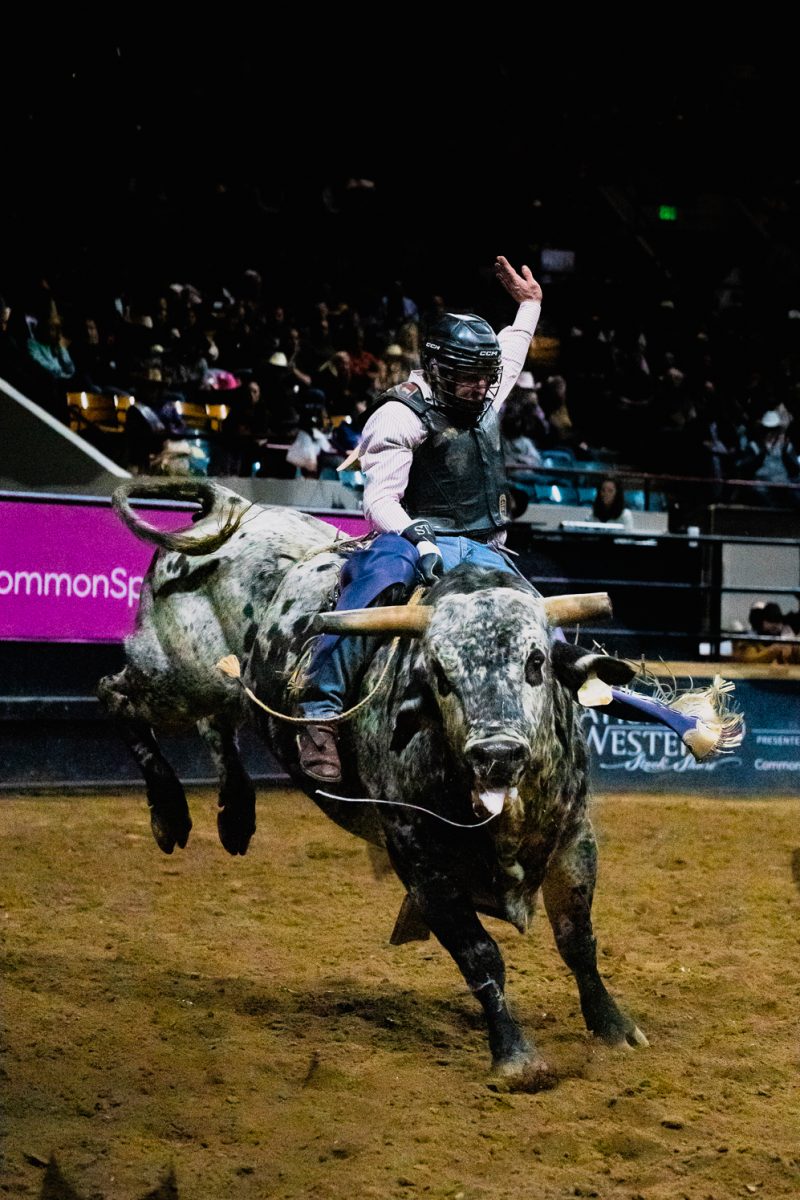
(229, 665)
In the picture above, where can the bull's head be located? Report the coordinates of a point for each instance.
(485, 670)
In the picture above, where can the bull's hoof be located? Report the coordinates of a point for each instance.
(522, 1074)
(236, 828)
(627, 1037)
(236, 819)
(606, 1020)
(169, 815)
(170, 828)
(616, 1029)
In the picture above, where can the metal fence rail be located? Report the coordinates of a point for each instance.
(707, 584)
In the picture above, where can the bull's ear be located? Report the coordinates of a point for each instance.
(419, 708)
(573, 665)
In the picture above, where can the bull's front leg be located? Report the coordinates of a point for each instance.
(236, 819)
(451, 916)
(568, 889)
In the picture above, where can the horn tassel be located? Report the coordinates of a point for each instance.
(702, 717)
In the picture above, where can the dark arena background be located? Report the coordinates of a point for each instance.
(214, 254)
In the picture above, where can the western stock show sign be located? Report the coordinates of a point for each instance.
(628, 757)
(72, 572)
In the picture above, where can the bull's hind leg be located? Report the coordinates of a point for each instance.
(568, 889)
(169, 812)
(236, 820)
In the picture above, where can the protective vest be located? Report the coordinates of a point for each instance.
(457, 479)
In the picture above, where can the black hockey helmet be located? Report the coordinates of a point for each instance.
(461, 349)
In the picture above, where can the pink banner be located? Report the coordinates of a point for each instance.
(352, 526)
(73, 572)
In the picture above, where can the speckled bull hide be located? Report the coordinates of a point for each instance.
(475, 722)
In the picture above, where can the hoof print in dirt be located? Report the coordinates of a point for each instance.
(536, 1076)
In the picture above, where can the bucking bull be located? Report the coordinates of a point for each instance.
(469, 737)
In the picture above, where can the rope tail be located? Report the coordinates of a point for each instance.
(703, 718)
(720, 729)
(229, 665)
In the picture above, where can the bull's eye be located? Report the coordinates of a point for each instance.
(533, 667)
(442, 682)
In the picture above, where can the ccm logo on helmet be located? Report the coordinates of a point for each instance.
(487, 353)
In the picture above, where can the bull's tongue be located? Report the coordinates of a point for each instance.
(493, 800)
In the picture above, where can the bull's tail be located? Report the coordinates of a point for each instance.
(221, 513)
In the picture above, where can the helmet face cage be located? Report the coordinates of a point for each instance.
(462, 350)
(445, 377)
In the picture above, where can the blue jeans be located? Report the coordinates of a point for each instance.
(456, 550)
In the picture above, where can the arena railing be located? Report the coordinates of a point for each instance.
(696, 600)
(656, 490)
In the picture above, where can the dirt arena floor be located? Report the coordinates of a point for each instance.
(203, 1027)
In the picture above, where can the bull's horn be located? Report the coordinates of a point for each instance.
(583, 606)
(393, 618)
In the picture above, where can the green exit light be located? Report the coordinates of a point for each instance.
(667, 212)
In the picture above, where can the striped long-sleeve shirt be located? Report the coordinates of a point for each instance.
(392, 434)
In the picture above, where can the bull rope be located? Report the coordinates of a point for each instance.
(339, 542)
(229, 665)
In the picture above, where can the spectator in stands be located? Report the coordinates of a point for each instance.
(526, 394)
(53, 368)
(365, 368)
(394, 368)
(135, 337)
(239, 347)
(316, 346)
(768, 621)
(198, 340)
(15, 365)
(553, 399)
(516, 426)
(237, 439)
(95, 364)
(279, 394)
(609, 503)
(291, 347)
(274, 328)
(771, 459)
(311, 451)
(397, 308)
(672, 412)
(335, 379)
(408, 340)
(710, 449)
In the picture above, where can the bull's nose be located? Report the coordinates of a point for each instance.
(503, 751)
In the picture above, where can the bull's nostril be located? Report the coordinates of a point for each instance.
(497, 750)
